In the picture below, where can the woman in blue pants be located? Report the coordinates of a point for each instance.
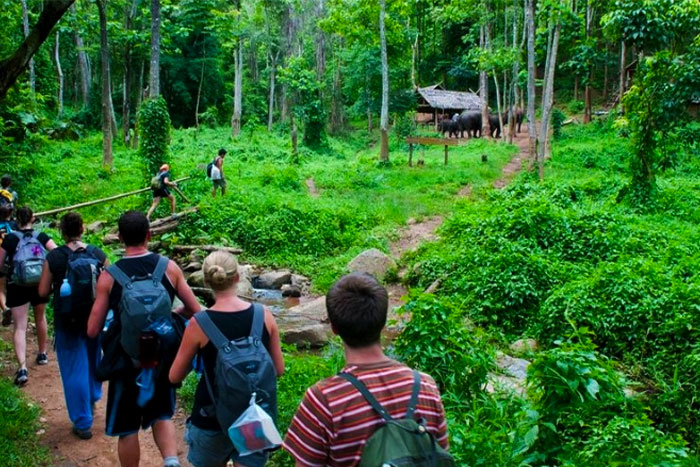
(78, 355)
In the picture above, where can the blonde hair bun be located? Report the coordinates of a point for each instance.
(220, 270)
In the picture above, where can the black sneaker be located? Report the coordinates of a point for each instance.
(6, 317)
(21, 377)
(42, 358)
(82, 434)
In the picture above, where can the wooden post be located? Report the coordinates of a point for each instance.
(446, 154)
(410, 154)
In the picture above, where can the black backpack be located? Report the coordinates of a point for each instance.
(209, 167)
(82, 270)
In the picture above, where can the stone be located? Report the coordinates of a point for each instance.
(503, 383)
(313, 335)
(244, 287)
(273, 279)
(314, 310)
(289, 290)
(192, 267)
(300, 281)
(524, 346)
(195, 256)
(196, 279)
(514, 367)
(432, 288)
(372, 262)
(95, 226)
(205, 293)
(411, 221)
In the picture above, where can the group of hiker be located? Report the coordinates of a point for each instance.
(161, 182)
(116, 323)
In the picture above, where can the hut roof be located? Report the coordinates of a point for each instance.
(438, 98)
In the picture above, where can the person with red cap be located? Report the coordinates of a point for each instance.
(159, 185)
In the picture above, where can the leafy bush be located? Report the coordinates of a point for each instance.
(575, 107)
(438, 341)
(18, 442)
(154, 124)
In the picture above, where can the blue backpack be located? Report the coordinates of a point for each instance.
(82, 270)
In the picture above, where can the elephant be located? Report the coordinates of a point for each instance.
(470, 120)
(518, 119)
(447, 125)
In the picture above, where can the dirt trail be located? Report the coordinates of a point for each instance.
(45, 389)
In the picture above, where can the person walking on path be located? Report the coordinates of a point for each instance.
(26, 251)
(7, 195)
(127, 412)
(70, 271)
(159, 185)
(7, 226)
(209, 444)
(217, 173)
(335, 419)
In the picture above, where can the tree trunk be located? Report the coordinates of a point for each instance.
(531, 70)
(25, 28)
(337, 113)
(84, 69)
(575, 88)
(294, 136)
(199, 93)
(484, 87)
(498, 103)
(320, 43)
(126, 88)
(12, 67)
(59, 72)
(139, 98)
(605, 74)
(623, 64)
(548, 100)
(237, 88)
(384, 120)
(587, 92)
(271, 99)
(107, 158)
(154, 85)
(515, 91)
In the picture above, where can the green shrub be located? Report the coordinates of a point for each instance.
(575, 107)
(154, 126)
(18, 426)
(438, 341)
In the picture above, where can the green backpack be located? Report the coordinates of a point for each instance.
(404, 442)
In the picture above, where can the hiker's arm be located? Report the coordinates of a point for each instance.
(167, 181)
(275, 346)
(45, 281)
(50, 245)
(101, 305)
(183, 291)
(189, 346)
(3, 255)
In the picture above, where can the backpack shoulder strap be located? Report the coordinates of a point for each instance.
(414, 395)
(160, 269)
(256, 329)
(210, 330)
(371, 400)
(119, 275)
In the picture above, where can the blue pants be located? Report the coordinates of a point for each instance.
(78, 356)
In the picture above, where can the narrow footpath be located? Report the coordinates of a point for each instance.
(44, 386)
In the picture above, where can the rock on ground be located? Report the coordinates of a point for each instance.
(372, 262)
(291, 291)
(305, 324)
(196, 279)
(273, 279)
(524, 346)
(513, 378)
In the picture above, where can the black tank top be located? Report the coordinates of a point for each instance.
(137, 266)
(234, 325)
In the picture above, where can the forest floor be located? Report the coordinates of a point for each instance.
(45, 389)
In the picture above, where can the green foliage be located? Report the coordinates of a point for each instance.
(558, 118)
(438, 340)
(575, 107)
(307, 105)
(19, 423)
(154, 124)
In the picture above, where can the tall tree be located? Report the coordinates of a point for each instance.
(25, 28)
(384, 119)
(531, 69)
(107, 157)
(548, 92)
(483, 77)
(83, 64)
(59, 72)
(130, 14)
(237, 80)
(587, 93)
(13, 66)
(154, 84)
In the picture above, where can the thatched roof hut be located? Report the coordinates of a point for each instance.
(434, 100)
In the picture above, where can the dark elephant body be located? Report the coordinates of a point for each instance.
(448, 126)
(470, 121)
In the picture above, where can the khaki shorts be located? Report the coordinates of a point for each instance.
(219, 182)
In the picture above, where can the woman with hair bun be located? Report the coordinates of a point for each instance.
(208, 443)
(21, 296)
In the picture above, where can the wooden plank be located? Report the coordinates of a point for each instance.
(432, 141)
(410, 155)
(98, 201)
(446, 149)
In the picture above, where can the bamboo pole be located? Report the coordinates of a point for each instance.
(98, 201)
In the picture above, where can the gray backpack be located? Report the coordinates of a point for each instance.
(143, 303)
(243, 367)
(28, 260)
